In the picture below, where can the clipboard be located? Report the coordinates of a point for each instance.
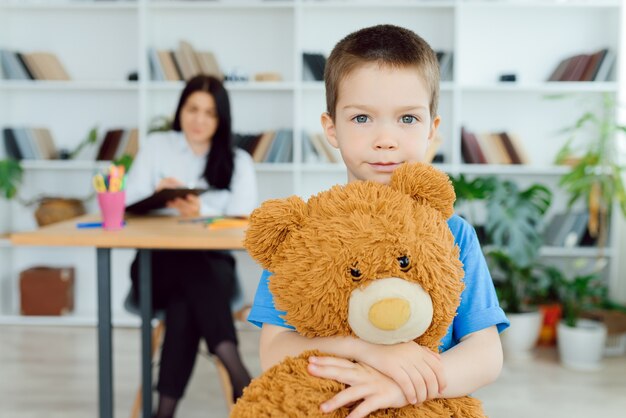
(160, 198)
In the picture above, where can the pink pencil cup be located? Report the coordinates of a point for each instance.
(112, 206)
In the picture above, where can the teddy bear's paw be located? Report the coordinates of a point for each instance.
(464, 407)
(288, 390)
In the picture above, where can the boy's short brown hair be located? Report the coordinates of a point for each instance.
(387, 45)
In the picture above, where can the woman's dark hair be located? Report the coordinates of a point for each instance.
(221, 159)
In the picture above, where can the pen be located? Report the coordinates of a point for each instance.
(85, 225)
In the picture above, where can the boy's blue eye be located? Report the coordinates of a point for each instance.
(409, 119)
(360, 118)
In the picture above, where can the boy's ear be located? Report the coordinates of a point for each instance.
(434, 128)
(329, 129)
(427, 185)
(270, 225)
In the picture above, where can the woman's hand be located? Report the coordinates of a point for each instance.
(367, 386)
(188, 207)
(169, 183)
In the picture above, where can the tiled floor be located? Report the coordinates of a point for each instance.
(51, 372)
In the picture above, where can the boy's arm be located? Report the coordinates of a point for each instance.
(473, 363)
(417, 370)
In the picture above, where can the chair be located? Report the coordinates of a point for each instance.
(157, 334)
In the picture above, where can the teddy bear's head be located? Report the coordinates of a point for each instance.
(366, 259)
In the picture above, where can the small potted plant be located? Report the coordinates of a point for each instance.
(10, 177)
(597, 177)
(580, 341)
(514, 217)
(517, 288)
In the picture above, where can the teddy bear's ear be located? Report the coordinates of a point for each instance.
(425, 184)
(269, 226)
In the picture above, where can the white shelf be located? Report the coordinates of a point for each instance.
(5, 241)
(69, 5)
(273, 167)
(223, 5)
(586, 4)
(547, 87)
(43, 85)
(319, 86)
(515, 169)
(176, 86)
(575, 252)
(87, 165)
(64, 320)
(341, 4)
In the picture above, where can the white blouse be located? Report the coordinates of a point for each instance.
(167, 154)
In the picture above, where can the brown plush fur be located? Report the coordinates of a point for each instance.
(311, 247)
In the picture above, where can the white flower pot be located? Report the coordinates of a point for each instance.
(581, 347)
(522, 335)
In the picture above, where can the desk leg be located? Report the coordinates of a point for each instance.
(145, 303)
(105, 362)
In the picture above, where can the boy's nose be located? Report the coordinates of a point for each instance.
(385, 142)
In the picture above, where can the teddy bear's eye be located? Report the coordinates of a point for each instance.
(405, 263)
(356, 273)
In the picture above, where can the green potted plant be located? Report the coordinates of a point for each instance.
(580, 341)
(514, 217)
(518, 288)
(10, 177)
(597, 177)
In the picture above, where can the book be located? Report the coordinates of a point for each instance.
(558, 72)
(109, 145)
(510, 148)
(159, 199)
(578, 68)
(208, 64)
(187, 60)
(470, 148)
(260, 151)
(604, 71)
(10, 144)
(167, 64)
(156, 70)
(314, 65)
(594, 65)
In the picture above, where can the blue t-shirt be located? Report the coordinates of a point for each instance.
(479, 308)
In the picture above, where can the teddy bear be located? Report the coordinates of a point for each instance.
(364, 259)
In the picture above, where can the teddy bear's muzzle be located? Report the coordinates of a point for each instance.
(389, 314)
(389, 311)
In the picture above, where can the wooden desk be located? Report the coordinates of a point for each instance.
(145, 234)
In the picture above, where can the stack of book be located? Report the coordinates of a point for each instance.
(492, 148)
(585, 67)
(117, 143)
(268, 147)
(316, 149)
(31, 66)
(29, 144)
(182, 64)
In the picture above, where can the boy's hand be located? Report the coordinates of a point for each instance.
(417, 370)
(366, 384)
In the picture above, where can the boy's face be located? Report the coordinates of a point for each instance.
(382, 120)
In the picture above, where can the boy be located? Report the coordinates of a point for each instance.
(382, 88)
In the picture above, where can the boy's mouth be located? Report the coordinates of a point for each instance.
(384, 167)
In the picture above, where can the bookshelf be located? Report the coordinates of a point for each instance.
(101, 42)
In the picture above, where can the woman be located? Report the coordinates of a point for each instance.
(195, 287)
